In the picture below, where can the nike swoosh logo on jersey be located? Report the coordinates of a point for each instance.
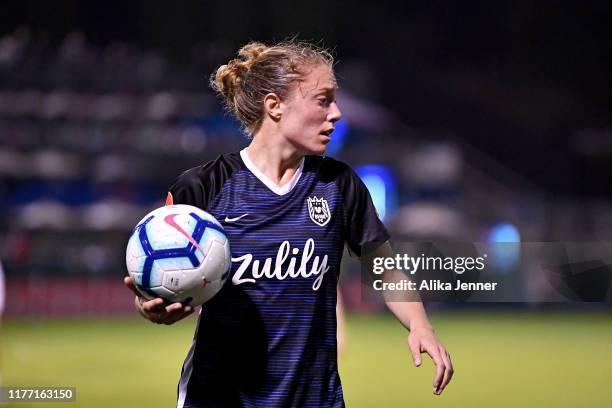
(227, 219)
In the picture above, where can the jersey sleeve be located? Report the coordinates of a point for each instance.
(188, 189)
(199, 186)
(364, 229)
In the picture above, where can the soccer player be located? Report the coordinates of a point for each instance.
(268, 338)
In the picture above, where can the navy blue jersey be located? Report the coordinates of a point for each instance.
(268, 338)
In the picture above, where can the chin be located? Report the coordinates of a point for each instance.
(319, 151)
(317, 148)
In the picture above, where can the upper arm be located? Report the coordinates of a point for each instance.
(364, 229)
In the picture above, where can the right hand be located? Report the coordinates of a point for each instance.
(154, 310)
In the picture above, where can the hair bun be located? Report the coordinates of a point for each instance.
(228, 78)
(251, 51)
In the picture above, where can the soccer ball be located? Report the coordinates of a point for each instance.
(179, 253)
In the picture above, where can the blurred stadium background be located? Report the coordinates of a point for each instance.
(469, 122)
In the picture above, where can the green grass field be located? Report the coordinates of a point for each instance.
(528, 359)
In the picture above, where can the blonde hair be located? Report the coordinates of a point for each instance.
(259, 70)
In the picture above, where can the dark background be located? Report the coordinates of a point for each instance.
(516, 79)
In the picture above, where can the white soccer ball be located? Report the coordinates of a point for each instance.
(179, 253)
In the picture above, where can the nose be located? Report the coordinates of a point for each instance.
(334, 113)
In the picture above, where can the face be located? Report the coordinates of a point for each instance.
(310, 111)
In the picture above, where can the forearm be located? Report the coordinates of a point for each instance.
(410, 314)
(409, 310)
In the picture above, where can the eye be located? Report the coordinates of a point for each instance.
(325, 101)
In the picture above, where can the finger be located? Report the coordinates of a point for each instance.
(138, 306)
(170, 312)
(415, 349)
(434, 353)
(156, 318)
(155, 305)
(174, 307)
(179, 316)
(129, 282)
(156, 315)
(448, 372)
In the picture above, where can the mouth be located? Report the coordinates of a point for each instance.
(327, 132)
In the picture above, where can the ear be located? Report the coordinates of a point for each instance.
(272, 106)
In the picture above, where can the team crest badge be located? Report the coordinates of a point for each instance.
(318, 210)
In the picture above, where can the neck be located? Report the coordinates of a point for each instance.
(274, 156)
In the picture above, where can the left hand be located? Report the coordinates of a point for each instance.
(422, 339)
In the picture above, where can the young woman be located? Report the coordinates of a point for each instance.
(268, 338)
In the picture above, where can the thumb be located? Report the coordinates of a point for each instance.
(415, 349)
(129, 282)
